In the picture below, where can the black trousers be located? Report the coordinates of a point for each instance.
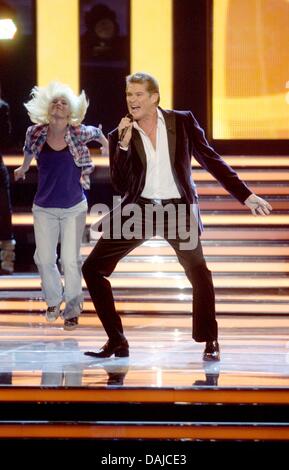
(108, 251)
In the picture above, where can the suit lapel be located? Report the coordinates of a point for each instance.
(170, 120)
(136, 138)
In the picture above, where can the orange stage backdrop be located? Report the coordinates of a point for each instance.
(250, 69)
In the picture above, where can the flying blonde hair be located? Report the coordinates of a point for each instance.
(37, 106)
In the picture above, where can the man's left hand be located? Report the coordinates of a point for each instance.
(258, 205)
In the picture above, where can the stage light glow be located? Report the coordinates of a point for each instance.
(152, 43)
(287, 94)
(7, 28)
(58, 42)
(250, 68)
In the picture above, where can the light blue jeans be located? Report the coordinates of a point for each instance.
(52, 225)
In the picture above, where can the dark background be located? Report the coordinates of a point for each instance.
(18, 68)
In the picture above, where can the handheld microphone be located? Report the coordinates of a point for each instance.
(124, 131)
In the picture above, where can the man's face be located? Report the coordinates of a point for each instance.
(140, 102)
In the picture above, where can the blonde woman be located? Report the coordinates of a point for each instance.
(58, 142)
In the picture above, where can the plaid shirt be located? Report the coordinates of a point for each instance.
(76, 138)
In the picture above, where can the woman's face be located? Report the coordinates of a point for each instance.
(59, 108)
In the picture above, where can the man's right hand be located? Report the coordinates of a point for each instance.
(125, 131)
(19, 173)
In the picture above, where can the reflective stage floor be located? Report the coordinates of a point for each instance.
(162, 400)
(254, 353)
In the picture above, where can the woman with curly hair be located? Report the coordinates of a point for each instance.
(58, 142)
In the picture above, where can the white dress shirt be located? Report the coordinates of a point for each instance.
(159, 183)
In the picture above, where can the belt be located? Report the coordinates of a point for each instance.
(161, 202)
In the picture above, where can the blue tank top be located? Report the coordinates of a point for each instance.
(58, 180)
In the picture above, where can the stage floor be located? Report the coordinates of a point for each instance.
(34, 353)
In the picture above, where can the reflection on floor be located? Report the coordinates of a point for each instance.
(162, 354)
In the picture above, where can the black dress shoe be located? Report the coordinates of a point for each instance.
(212, 351)
(119, 349)
(211, 380)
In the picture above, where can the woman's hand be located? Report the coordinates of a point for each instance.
(104, 142)
(19, 173)
(104, 150)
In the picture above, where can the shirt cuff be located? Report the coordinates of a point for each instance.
(122, 147)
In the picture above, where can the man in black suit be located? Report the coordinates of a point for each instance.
(150, 163)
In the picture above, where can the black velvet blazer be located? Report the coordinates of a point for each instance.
(185, 138)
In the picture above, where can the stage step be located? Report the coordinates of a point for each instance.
(263, 293)
(222, 204)
(211, 248)
(213, 220)
(267, 190)
(159, 280)
(157, 304)
(248, 175)
(134, 430)
(236, 161)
